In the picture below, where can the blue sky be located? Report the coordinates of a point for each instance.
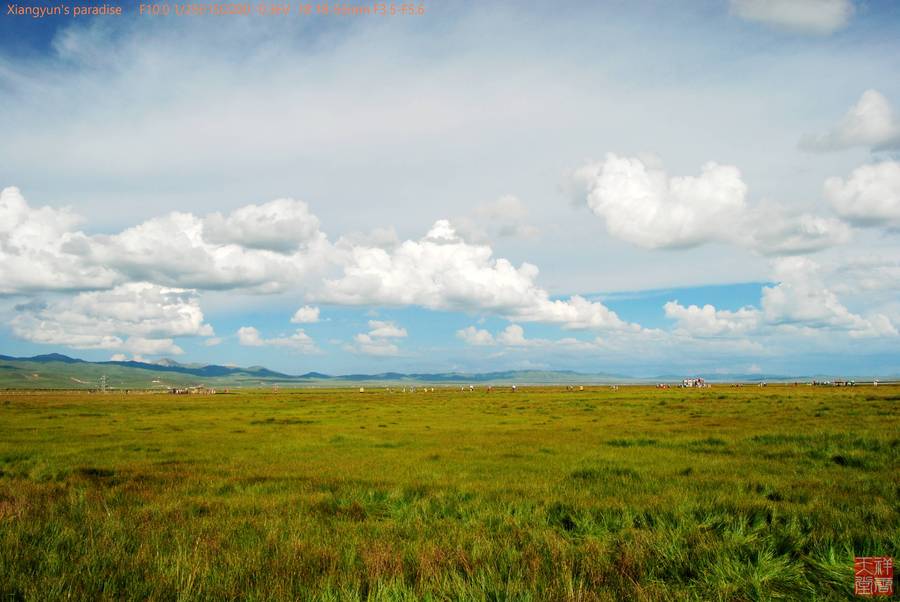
(630, 187)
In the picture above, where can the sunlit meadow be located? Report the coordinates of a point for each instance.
(543, 494)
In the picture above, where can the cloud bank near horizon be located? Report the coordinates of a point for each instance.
(745, 199)
(137, 290)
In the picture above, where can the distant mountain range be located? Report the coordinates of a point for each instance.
(57, 371)
(54, 371)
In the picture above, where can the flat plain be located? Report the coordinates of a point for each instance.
(543, 494)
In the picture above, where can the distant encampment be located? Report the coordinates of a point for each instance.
(57, 371)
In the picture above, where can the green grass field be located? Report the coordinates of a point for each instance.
(545, 494)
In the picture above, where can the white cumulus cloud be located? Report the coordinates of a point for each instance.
(870, 196)
(800, 303)
(514, 336)
(643, 205)
(869, 123)
(281, 225)
(709, 321)
(299, 341)
(806, 16)
(385, 330)
(138, 317)
(475, 336)
(770, 230)
(378, 340)
(32, 249)
(442, 271)
(306, 315)
(802, 299)
(174, 250)
(250, 337)
(267, 248)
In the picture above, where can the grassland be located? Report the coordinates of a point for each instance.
(545, 494)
